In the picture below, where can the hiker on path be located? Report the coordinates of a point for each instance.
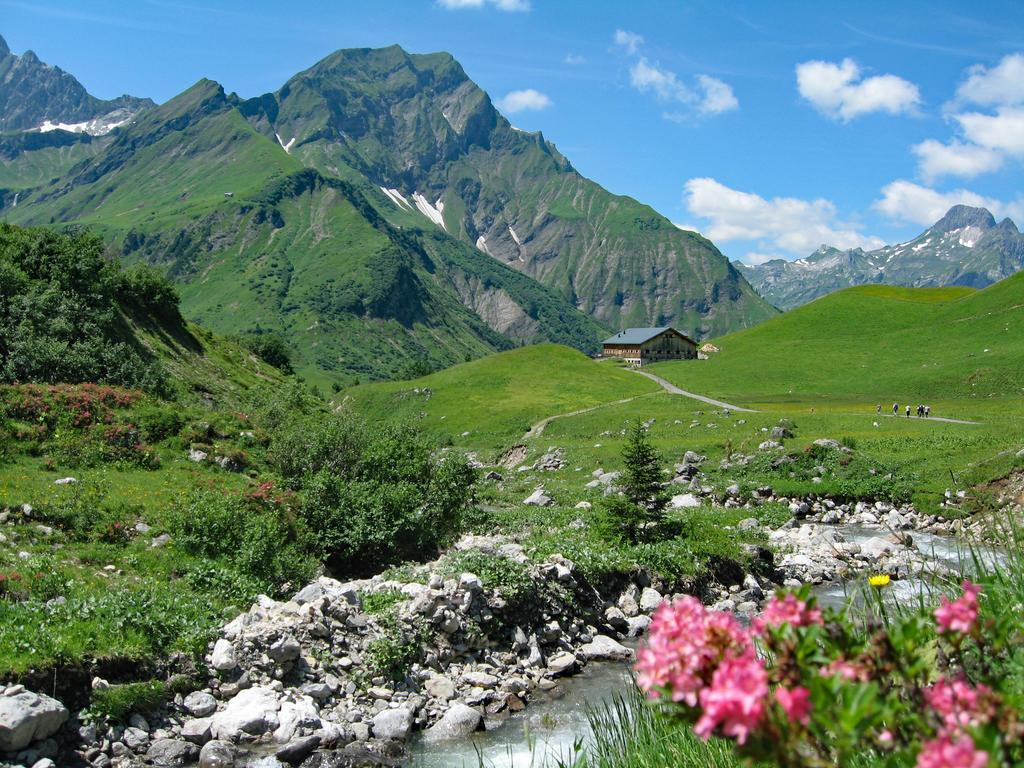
(908, 411)
(927, 411)
(895, 409)
(878, 408)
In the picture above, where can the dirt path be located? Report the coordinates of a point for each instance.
(538, 429)
(936, 418)
(672, 389)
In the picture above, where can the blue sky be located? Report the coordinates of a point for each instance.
(772, 127)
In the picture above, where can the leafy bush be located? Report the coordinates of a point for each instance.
(511, 578)
(380, 602)
(394, 654)
(159, 422)
(117, 702)
(374, 497)
(270, 348)
(262, 539)
(60, 314)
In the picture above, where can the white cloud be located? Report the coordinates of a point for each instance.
(665, 84)
(1002, 85)
(955, 159)
(520, 101)
(786, 223)
(837, 90)
(631, 41)
(501, 5)
(574, 59)
(718, 96)
(1003, 131)
(906, 201)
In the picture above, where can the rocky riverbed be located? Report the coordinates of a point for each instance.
(345, 673)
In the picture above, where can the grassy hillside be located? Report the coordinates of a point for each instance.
(875, 344)
(256, 242)
(496, 399)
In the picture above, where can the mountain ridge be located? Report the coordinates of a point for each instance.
(965, 247)
(490, 238)
(39, 96)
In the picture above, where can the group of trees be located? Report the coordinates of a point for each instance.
(63, 309)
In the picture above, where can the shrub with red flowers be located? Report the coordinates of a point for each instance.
(806, 687)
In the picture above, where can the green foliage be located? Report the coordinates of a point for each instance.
(271, 349)
(394, 654)
(117, 702)
(260, 538)
(376, 603)
(641, 507)
(503, 574)
(374, 496)
(60, 319)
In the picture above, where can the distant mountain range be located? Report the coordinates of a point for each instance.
(965, 247)
(39, 96)
(377, 210)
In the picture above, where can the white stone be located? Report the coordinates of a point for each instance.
(684, 500)
(223, 658)
(253, 711)
(393, 724)
(604, 648)
(458, 722)
(26, 717)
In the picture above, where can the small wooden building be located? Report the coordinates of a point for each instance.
(640, 346)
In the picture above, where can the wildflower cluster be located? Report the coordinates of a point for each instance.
(802, 687)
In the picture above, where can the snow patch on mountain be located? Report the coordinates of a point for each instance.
(433, 212)
(396, 197)
(481, 245)
(98, 126)
(515, 236)
(286, 147)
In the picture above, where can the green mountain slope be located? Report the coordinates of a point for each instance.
(965, 247)
(874, 344)
(257, 242)
(417, 126)
(498, 398)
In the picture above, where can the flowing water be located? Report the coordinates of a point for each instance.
(549, 731)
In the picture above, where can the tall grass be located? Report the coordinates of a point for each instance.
(628, 733)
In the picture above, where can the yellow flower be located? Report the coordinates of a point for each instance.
(879, 580)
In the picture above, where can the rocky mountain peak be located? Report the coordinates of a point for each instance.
(960, 216)
(4, 50)
(1007, 225)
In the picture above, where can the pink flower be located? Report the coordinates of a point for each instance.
(735, 699)
(844, 669)
(958, 704)
(788, 610)
(796, 703)
(959, 615)
(685, 645)
(943, 752)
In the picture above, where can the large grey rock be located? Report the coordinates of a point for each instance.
(252, 712)
(26, 717)
(394, 724)
(198, 731)
(217, 754)
(135, 738)
(223, 658)
(482, 679)
(200, 704)
(604, 648)
(459, 721)
(170, 753)
(297, 750)
(285, 649)
(650, 599)
(684, 501)
(563, 663)
(440, 687)
(538, 499)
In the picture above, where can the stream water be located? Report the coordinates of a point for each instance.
(551, 729)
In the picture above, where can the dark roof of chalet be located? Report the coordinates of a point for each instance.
(639, 335)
